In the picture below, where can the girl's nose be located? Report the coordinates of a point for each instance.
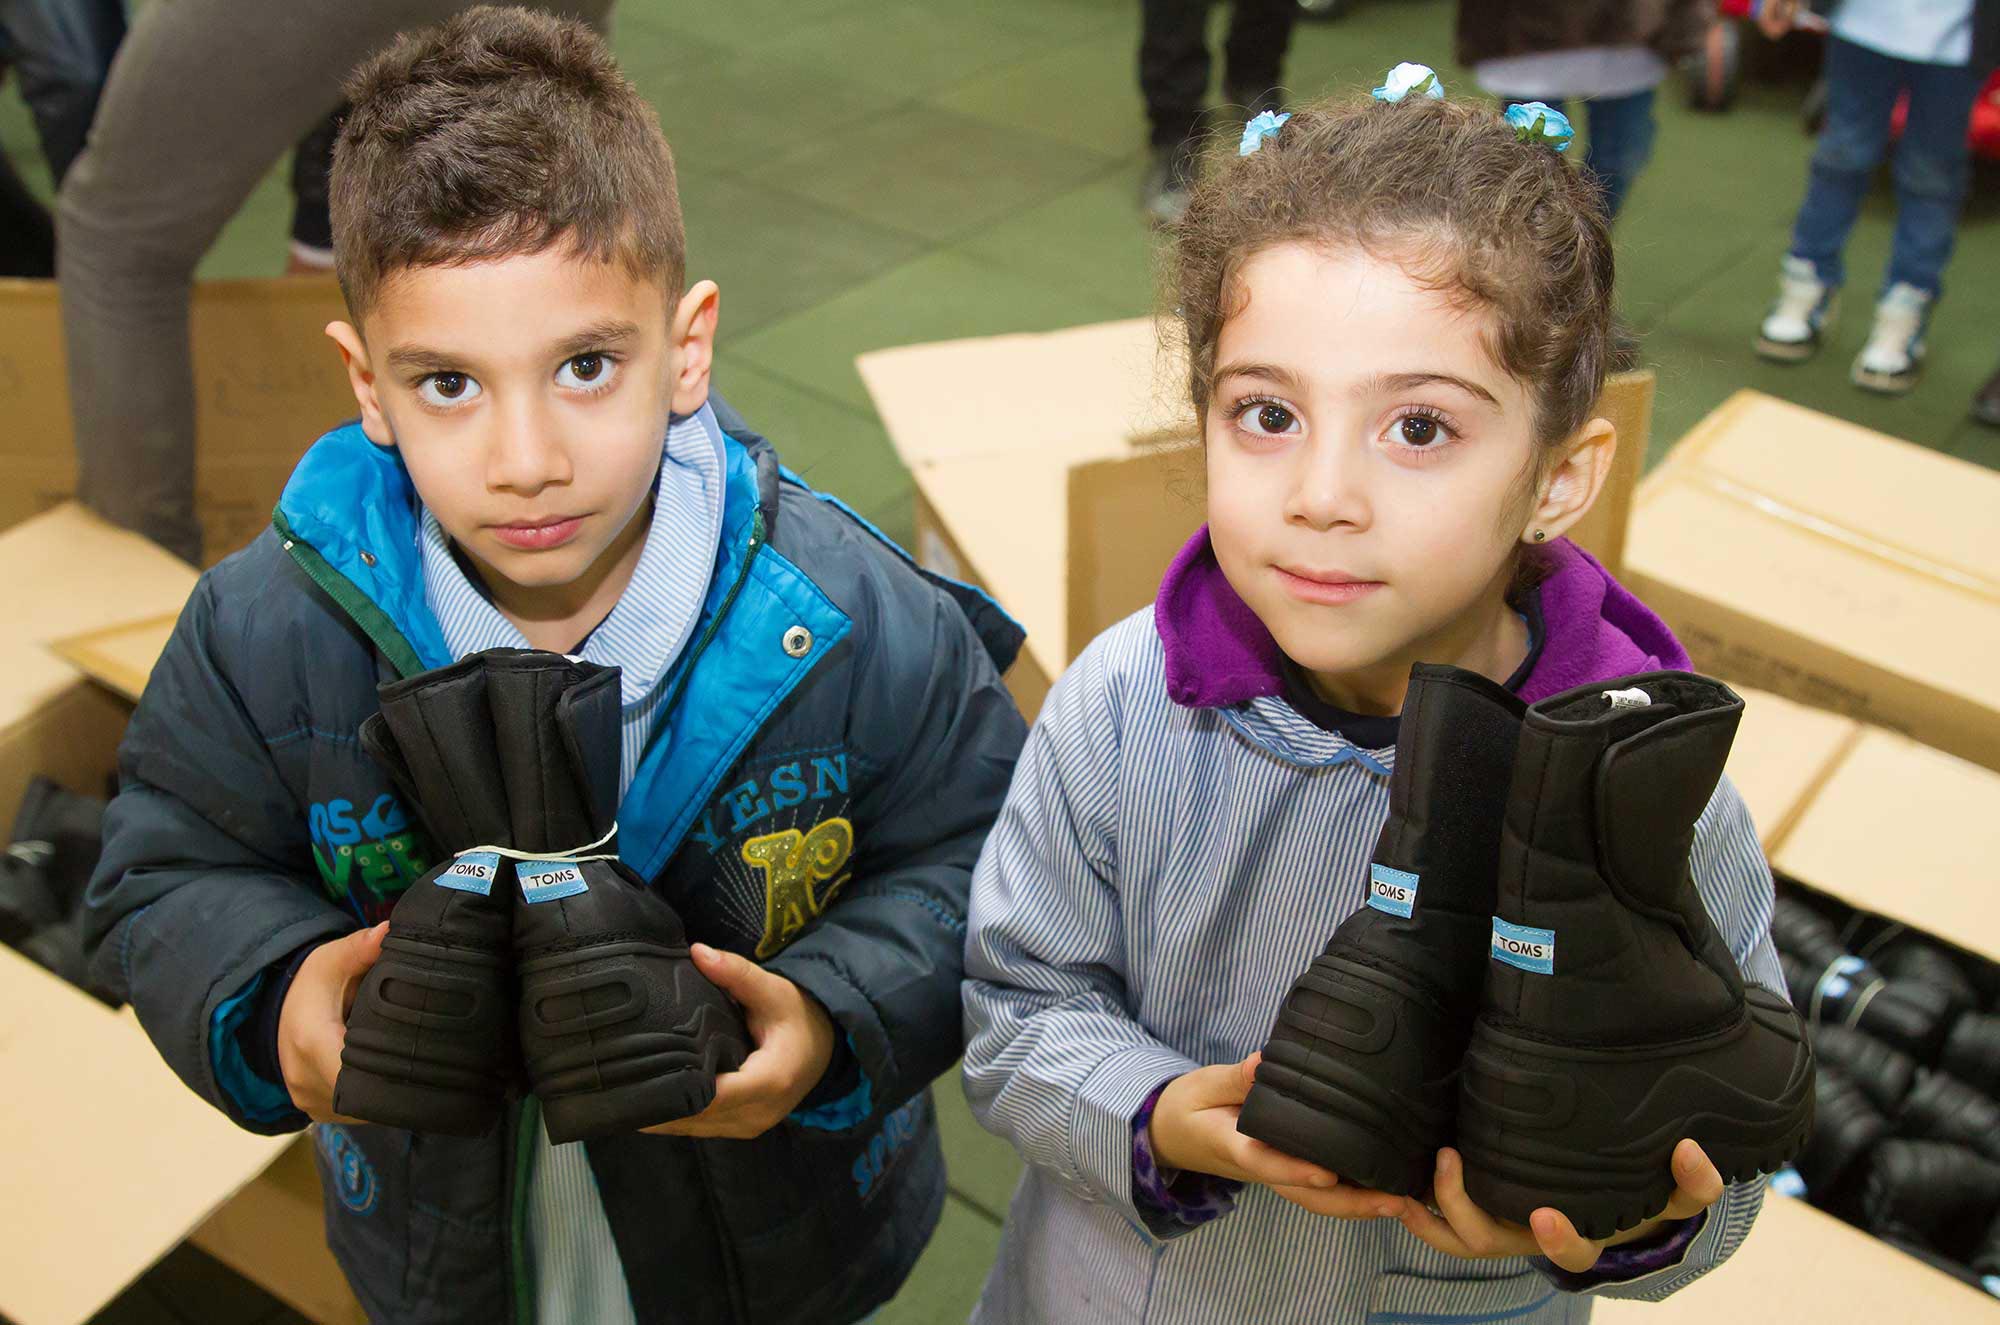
(1328, 489)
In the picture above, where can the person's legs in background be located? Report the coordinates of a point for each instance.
(312, 219)
(1173, 79)
(60, 51)
(1932, 172)
(204, 96)
(1622, 130)
(1861, 89)
(1253, 65)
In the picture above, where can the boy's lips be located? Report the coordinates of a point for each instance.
(1328, 588)
(539, 535)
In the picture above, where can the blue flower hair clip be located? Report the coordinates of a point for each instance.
(1263, 125)
(1406, 78)
(1536, 123)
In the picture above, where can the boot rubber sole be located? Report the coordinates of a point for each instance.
(1324, 1100)
(408, 1060)
(1786, 351)
(1529, 1137)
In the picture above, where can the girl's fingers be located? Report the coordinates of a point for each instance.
(1560, 1241)
(1431, 1230)
(1698, 1184)
(1344, 1202)
(1475, 1228)
(1273, 1167)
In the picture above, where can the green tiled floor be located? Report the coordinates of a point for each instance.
(865, 173)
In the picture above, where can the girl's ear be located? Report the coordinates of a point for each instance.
(355, 355)
(1573, 484)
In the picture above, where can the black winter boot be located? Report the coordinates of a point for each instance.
(1360, 1072)
(1832, 986)
(1932, 1193)
(430, 1040)
(1846, 1128)
(1883, 1073)
(1910, 957)
(618, 1028)
(1942, 1108)
(1615, 1021)
(1972, 1051)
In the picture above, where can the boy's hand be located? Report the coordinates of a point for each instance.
(312, 1023)
(794, 1039)
(1194, 1130)
(1466, 1230)
(1775, 17)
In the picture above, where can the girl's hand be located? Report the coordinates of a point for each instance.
(1466, 1230)
(1194, 1130)
(794, 1039)
(1775, 17)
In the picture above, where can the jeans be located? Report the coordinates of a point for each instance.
(61, 51)
(1932, 168)
(1621, 142)
(1173, 58)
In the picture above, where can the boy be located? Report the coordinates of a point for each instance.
(816, 739)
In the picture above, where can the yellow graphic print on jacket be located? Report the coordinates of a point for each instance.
(795, 864)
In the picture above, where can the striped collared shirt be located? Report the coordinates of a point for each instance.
(578, 1277)
(1158, 876)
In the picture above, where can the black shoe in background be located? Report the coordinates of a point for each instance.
(1883, 1073)
(1940, 1107)
(1972, 1051)
(1615, 1020)
(1170, 181)
(1846, 1129)
(1360, 1073)
(1934, 1194)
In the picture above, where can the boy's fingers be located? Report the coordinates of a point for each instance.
(755, 988)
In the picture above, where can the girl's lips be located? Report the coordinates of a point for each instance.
(538, 537)
(1328, 593)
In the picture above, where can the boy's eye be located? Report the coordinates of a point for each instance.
(447, 388)
(1267, 418)
(586, 370)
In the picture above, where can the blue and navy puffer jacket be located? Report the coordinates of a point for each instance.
(249, 823)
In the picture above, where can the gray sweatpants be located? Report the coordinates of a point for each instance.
(203, 97)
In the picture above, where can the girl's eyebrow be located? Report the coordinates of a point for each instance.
(1383, 383)
(1283, 376)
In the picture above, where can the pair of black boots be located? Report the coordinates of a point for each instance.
(526, 966)
(1534, 978)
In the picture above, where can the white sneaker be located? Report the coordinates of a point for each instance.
(1894, 354)
(1792, 329)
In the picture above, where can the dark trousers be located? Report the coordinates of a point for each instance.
(1173, 58)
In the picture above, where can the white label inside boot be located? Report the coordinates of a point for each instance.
(1634, 698)
(472, 872)
(1394, 891)
(1532, 950)
(550, 880)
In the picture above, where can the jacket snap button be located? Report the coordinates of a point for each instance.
(368, 558)
(798, 641)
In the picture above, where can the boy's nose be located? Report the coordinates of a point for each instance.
(527, 452)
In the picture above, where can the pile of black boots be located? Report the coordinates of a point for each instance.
(47, 863)
(1908, 1139)
(533, 959)
(1534, 979)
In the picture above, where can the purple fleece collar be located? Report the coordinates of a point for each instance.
(1219, 653)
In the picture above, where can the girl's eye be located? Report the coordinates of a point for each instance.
(447, 389)
(587, 372)
(1266, 418)
(1416, 430)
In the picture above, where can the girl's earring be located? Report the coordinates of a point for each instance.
(1541, 534)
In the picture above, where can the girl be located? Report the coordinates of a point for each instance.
(1397, 320)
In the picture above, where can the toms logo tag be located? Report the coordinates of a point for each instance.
(1394, 891)
(1532, 950)
(550, 880)
(472, 872)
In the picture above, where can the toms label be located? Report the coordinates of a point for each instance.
(550, 880)
(472, 872)
(1394, 891)
(1528, 949)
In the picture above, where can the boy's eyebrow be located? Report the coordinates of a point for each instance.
(1283, 376)
(1390, 382)
(598, 335)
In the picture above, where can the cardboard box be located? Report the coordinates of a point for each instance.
(1784, 753)
(106, 1159)
(267, 383)
(1804, 555)
(1061, 472)
(1801, 1264)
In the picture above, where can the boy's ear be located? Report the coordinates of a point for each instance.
(1573, 484)
(355, 355)
(693, 336)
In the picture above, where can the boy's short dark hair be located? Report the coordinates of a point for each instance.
(500, 131)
